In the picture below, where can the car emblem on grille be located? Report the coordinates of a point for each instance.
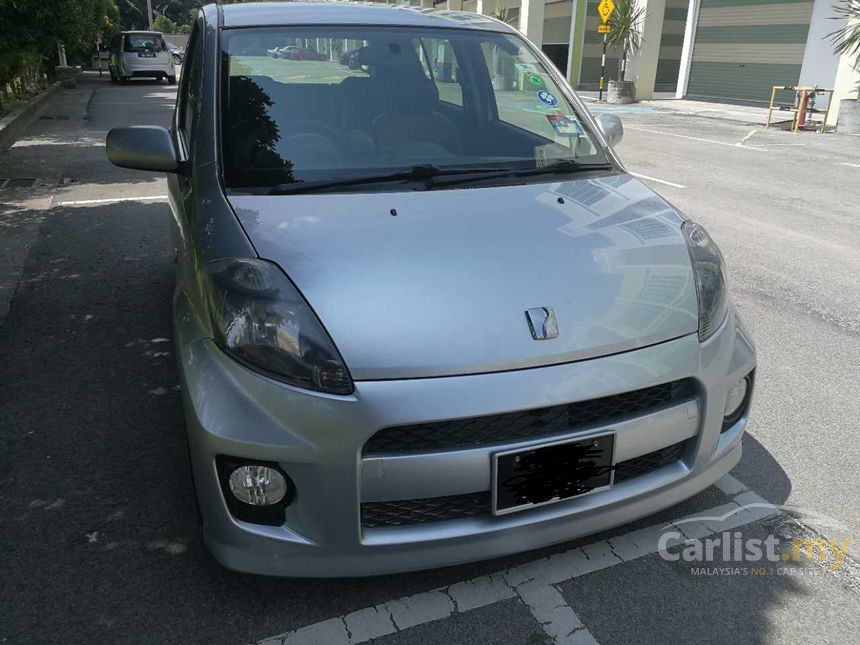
(542, 323)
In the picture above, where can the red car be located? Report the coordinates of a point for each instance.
(298, 53)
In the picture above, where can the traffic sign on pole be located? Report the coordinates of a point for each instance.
(605, 9)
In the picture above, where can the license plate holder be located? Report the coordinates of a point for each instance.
(552, 472)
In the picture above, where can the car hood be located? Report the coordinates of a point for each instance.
(442, 287)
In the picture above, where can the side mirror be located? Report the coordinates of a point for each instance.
(142, 147)
(611, 127)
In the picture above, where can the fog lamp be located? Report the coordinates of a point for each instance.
(735, 397)
(258, 485)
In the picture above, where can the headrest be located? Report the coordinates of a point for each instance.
(386, 54)
(420, 95)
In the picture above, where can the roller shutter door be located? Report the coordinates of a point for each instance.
(743, 48)
(671, 44)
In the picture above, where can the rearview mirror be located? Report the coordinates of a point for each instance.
(142, 147)
(611, 127)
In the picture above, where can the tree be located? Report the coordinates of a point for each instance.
(180, 12)
(846, 40)
(626, 35)
(32, 29)
(164, 24)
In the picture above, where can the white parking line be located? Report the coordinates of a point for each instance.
(533, 583)
(853, 165)
(113, 200)
(659, 181)
(684, 136)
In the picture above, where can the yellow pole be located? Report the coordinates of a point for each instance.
(770, 110)
(827, 111)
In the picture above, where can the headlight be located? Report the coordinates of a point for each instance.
(710, 278)
(260, 318)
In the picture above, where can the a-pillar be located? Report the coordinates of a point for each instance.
(531, 20)
(642, 66)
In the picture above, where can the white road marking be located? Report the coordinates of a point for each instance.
(533, 583)
(747, 137)
(684, 136)
(659, 181)
(553, 613)
(113, 200)
(853, 165)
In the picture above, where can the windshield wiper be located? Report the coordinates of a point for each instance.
(412, 173)
(555, 168)
(563, 166)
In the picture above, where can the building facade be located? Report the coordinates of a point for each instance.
(721, 50)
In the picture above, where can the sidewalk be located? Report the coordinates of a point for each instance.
(31, 171)
(683, 107)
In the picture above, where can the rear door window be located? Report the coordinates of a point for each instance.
(144, 43)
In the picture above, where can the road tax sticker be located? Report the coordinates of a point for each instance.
(547, 97)
(565, 125)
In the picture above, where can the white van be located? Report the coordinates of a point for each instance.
(140, 54)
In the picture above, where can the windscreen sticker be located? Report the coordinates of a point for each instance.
(565, 125)
(541, 156)
(547, 97)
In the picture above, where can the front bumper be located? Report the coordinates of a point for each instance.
(318, 439)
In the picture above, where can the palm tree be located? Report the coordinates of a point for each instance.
(626, 35)
(504, 14)
(846, 40)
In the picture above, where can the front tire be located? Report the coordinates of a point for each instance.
(123, 80)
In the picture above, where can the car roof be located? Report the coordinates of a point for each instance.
(143, 33)
(261, 14)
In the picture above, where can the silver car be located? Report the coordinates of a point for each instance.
(423, 315)
(140, 54)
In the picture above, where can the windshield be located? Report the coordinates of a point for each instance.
(331, 103)
(144, 43)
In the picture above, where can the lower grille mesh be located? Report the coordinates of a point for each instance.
(421, 511)
(648, 463)
(438, 509)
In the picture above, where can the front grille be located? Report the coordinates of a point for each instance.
(421, 511)
(437, 509)
(527, 424)
(648, 463)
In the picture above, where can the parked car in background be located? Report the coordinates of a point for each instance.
(176, 51)
(140, 54)
(301, 53)
(282, 52)
(420, 323)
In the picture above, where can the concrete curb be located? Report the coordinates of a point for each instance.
(12, 126)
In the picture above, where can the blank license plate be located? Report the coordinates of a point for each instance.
(551, 472)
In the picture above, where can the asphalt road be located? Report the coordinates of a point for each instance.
(98, 527)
